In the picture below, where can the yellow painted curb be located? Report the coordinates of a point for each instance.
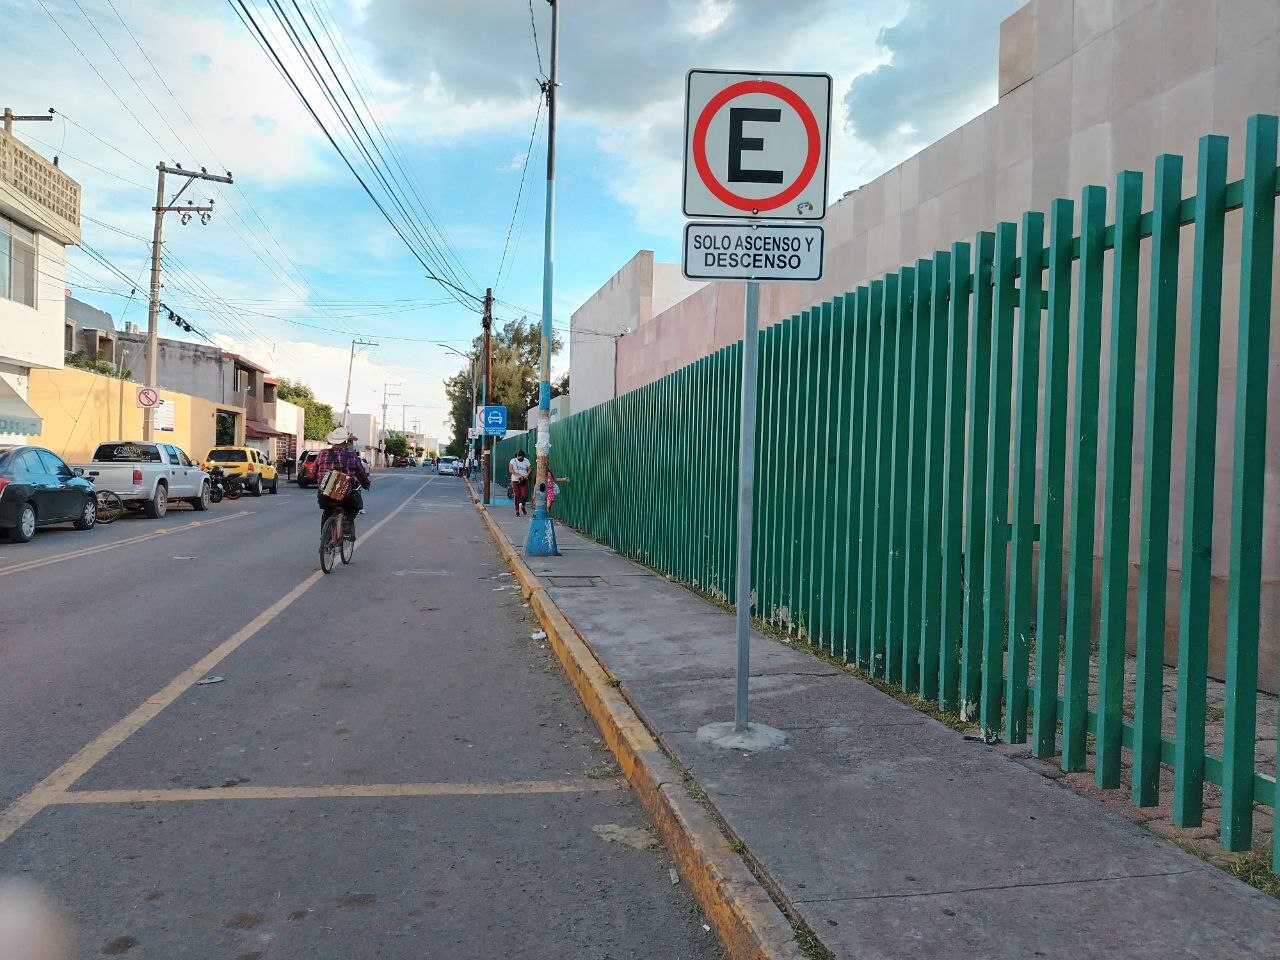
(747, 921)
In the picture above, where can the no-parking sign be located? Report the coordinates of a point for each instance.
(756, 145)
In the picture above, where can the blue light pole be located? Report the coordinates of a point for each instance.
(541, 541)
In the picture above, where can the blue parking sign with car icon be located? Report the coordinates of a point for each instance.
(495, 421)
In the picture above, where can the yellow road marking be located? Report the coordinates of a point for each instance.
(89, 551)
(188, 794)
(51, 788)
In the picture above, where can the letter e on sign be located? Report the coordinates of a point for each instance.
(756, 145)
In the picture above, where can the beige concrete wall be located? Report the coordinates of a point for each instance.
(82, 409)
(625, 302)
(1087, 88)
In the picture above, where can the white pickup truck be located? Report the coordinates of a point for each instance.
(147, 475)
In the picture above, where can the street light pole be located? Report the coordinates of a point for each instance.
(470, 358)
(541, 541)
(346, 402)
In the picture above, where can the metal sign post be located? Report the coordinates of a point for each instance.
(746, 498)
(755, 150)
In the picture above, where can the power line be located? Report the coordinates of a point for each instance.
(365, 93)
(58, 152)
(250, 22)
(145, 129)
(172, 96)
(534, 26)
(524, 171)
(366, 144)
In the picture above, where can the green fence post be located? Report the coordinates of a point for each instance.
(975, 511)
(1023, 489)
(802, 465)
(765, 538)
(997, 526)
(1056, 381)
(1119, 484)
(884, 476)
(836, 591)
(901, 400)
(759, 549)
(953, 429)
(819, 511)
(931, 539)
(789, 391)
(681, 535)
(1084, 481)
(917, 420)
(853, 372)
(870, 315)
(1153, 564)
(1247, 483)
(703, 522)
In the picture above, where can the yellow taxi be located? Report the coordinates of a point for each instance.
(258, 472)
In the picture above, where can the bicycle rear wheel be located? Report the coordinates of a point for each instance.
(328, 548)
(346, 549)
(110, 506)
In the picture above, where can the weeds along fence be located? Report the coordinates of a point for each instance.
(949, 491)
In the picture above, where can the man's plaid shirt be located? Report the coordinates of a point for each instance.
(343, 459)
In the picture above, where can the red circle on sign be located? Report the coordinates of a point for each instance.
(148, 397)
(812, 135)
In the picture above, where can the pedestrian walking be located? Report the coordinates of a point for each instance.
(518, 469)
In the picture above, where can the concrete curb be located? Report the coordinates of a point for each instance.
(747, 921)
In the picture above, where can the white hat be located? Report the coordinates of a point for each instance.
(340, 435)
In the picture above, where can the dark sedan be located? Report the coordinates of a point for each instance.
(37, 488)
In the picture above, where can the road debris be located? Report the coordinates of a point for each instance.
(639, 838)
(538, 635)
(208, 680)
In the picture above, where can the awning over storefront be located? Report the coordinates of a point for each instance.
(16, 415)
(256, 428)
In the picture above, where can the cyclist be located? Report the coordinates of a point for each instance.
(341, 457)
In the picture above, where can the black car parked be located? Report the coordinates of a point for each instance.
(37, 488)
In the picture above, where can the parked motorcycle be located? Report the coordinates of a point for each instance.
(221, 485)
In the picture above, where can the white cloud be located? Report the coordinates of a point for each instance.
(622, 68)
(924, 88)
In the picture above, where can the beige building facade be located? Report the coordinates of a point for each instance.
(39, 219)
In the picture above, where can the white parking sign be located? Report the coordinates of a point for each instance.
(756, 145)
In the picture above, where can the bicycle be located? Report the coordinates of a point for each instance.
(333, 541)
(110, 506)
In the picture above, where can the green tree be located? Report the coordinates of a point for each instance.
(514, 379)
(318, 422)
(394, 445)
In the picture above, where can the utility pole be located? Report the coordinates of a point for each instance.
(541, 541)
(385, 395)
(185, 214)
(346, 403)
(10, 117)
(485, 441)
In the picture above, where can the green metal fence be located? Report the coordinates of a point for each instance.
(912, 468)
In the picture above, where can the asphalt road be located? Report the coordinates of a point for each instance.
(391, 766)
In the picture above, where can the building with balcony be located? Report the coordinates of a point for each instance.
(39, 219)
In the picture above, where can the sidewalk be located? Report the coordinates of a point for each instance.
(888, 833)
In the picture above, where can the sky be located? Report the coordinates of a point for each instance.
(297, 260)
